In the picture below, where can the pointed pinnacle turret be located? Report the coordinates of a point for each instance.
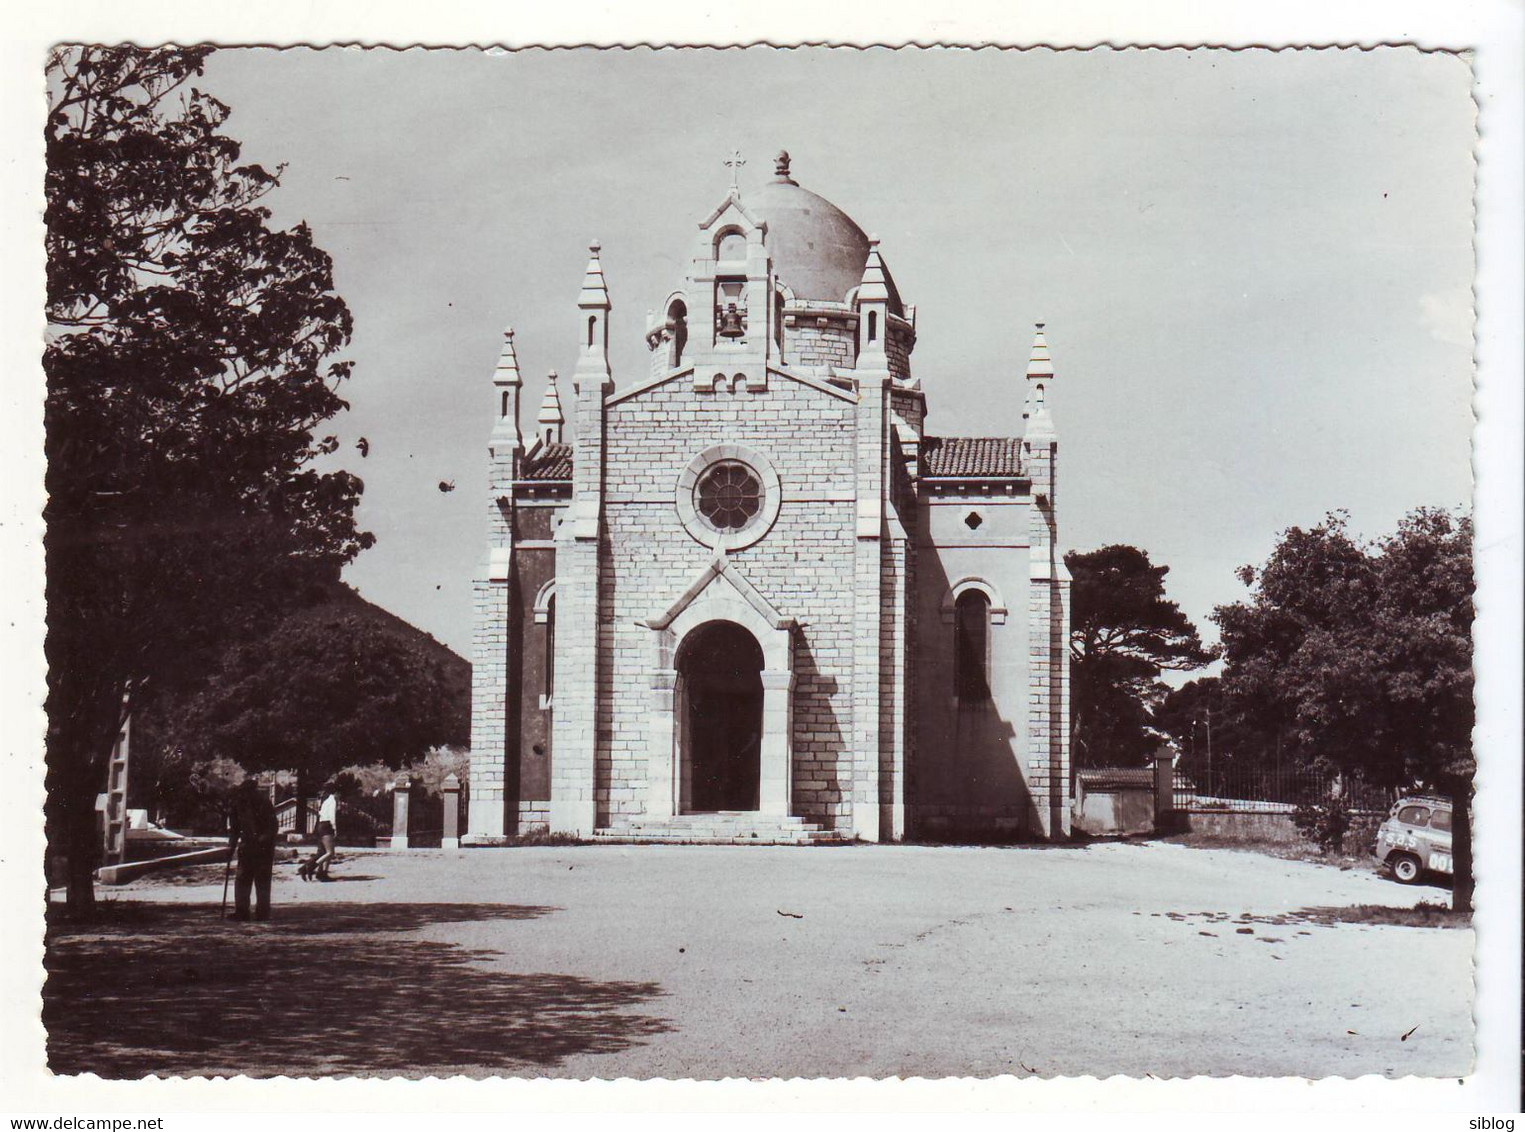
(548, 423)
(873, 312)
(593, 313)
(506, 384)
(1038, 364)
(873, 288)
(1040, 374)
(594, 295)
(507, 371)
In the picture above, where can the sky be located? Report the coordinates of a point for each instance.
(1255, 267)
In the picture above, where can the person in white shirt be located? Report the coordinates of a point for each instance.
(328, 823)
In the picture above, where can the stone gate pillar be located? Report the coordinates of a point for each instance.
(1164, 786)
(402, 798)
(450, 831)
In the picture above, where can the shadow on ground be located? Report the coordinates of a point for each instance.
(322, 989)
(1422, 915)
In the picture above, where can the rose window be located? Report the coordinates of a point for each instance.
(729, 495)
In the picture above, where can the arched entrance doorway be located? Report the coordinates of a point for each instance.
(721, 715)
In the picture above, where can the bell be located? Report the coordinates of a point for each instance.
(730, 323)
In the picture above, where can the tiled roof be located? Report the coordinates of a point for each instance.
(548, 462)
(961, 456)
(1121, 777)
(971, 456)
(1102, 778)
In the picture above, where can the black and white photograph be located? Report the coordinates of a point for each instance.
(691, 563)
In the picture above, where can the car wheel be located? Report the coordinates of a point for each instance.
(1405, 868)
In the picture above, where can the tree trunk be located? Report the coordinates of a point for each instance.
(1459, 787)
(73, 828)
(86, 716)
(82, 838)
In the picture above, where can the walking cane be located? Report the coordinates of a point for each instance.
(226, 872)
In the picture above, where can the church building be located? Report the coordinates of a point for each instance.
(745, 596)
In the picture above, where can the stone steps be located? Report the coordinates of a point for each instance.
(724, 828)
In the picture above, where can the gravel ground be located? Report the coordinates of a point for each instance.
(689, 961)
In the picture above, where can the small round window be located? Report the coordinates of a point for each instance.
(729, 495)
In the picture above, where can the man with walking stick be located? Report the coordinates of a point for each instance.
(252, 836)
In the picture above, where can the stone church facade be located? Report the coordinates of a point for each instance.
(745, 596)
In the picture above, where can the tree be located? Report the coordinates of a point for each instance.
(1124, 632)
(337, 685)
(195, 794)
(439, 764)
(1359, 654)
(1192, 715)
(187, 370)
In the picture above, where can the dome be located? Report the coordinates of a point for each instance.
(818, 251)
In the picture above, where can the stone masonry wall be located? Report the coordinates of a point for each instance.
(893, 719)
(897, 347)
(489, 715)
(809, 344)
(970, 769)
(530, 747)
(492, 779)
(1048, 654)
(804, 566)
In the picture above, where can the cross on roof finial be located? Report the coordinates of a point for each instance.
(734, 163)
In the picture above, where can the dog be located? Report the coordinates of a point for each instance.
(306, 868)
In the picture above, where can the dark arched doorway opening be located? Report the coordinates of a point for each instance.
(720, 681)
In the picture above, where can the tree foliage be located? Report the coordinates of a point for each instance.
(1123, 633)
(1359, 655)
(1324, 822)
(187, 371)
(1208, 736)
(337, 685)
(194, 794)
(429, 772)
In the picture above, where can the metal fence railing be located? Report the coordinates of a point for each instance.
(1273, 789)
(364, 817)
(286, 817)
(426, 816)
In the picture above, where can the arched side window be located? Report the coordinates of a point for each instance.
(971, 647)
(963, 585)
(592, 322)
(550, 648)
(544, 610)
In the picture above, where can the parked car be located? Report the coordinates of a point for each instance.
(1415, 838)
